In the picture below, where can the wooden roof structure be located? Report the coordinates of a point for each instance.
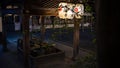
(41, 7)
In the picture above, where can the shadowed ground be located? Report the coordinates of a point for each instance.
(11, 59)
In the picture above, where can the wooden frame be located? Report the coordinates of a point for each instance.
(35, 7)
(27, 11)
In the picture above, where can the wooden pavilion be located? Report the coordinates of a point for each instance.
(37, 7)
(44, 8)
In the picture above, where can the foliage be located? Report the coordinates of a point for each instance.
(88, 61)
(84, 1)
(88, 8)
(63, 30)
(42, 49)
(94, 40)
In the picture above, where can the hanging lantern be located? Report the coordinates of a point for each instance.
(70, 13)
(62, 10)
(69, 10)
(79, 10)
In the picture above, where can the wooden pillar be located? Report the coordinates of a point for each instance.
(26, 44)
(4, 31)
(26, 33)
(107, 33)
(42, 29)
(52, 20)
(4, 42)
(76, 38)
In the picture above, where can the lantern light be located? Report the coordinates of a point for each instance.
(70, 13)
(62, 13)
(79, 10)
(69, 10)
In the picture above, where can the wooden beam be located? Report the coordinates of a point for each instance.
(42, 11)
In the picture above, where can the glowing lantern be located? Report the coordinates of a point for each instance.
(69, 10)
(70, 13)
(79, 10)
(62, 11)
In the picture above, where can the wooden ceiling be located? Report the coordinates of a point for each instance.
(41, 7)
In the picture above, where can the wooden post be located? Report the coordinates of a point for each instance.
(4, 41)
(76, 38)
(26, 44)
(4, 38)
(52, 20)
(42, 29)
(107, 33)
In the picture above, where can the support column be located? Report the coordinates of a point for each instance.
(4, 31)
(26, 43)
(4, 42)
(76, 38)
(107, 33)
(42, 29)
